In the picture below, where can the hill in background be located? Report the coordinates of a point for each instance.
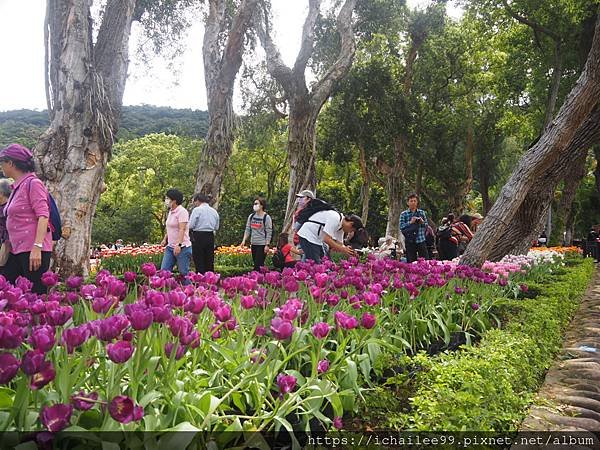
(24, 125)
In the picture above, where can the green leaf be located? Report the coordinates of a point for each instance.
(149, 398)
(179, 436)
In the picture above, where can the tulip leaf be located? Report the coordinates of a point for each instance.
(110, 446)
(29, 445)
(149, 398)
(178, 436)
(6, 398)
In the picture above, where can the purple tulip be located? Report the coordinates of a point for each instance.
(320, 330)
(129, 277)
(180, 326)
(345, 321)
(43, 377)
(59, 316)
(9, 366)
(178, 353)
(475, 306)
(56, 417)
(74, 337)
(161, 314)
(195, 305)
(111, 327)
(337, 423)
(281, 329)
(83, 401)
(11, 336)
(223, 313)
(33, 362)
(524, 288)
(215, 330)
(192, 339)
(50, 279)
(258, 356)
(71, 297)
(368, 320)
(322, 366)
(286, 383)
(248, 301)
(74, 282)
(24, 284)
(290, 284)
(260, 330)
(148, 269)
(120, 351)
(123, 410)
(141, 319)
(102, 305)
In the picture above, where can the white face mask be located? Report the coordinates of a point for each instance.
(255, 208)
(167, 203)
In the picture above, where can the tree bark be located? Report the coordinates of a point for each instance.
(521, 201)
(597, 170)
(565, 207)
(84, 85)
(395, 176)
(222, 63)
(365, 190)
(304, 104)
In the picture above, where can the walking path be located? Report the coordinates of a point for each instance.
(571, 391)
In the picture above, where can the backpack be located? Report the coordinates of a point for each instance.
(279, 259)
(54, 221)
(411, 232)
(316, 205)
(444, 232)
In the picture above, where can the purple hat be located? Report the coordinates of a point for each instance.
(16, 151)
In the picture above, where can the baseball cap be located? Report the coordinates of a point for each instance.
(306, 193)
(477, 216)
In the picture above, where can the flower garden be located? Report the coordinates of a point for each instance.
(312, 348)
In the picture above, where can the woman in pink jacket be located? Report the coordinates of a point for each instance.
(27, 212)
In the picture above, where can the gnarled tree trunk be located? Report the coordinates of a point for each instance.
(221, 65)
(525, 197)
(84, 86)
(305, 104)
(565, 208)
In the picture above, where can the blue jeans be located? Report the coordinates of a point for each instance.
(182, 260)
(311, 251)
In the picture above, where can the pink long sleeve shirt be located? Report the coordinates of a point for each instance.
(27, 203)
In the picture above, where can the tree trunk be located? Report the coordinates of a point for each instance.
(565, 207)
(419, 178)
(365, 189)
(305, 104)
(85, 85)
(597, 170)
(222, 62)
(302, 155)
(394, 186)
(575, 129)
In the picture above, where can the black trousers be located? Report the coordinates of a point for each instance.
(413, 249)
(203, 251)
(258, 256)
(18, 266)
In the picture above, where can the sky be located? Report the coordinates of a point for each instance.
(22, 57)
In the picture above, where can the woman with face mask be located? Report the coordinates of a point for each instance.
(259, 228)
(303, 198)
(178, 248)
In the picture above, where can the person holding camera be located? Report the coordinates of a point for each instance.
(413, 225)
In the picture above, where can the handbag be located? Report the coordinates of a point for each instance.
(411, 232)
(4, 253)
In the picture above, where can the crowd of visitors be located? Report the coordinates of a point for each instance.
(28, 229)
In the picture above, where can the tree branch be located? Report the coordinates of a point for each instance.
(275, 65)
(340, 68)
(234, 48)
(308, 37)
(210, 45)
(534, 25)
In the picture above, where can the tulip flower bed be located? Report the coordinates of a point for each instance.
(264, 351)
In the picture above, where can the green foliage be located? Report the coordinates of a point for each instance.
(137, 179)
(490, 386)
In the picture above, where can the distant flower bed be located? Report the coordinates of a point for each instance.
(263, 351)
(560, 249)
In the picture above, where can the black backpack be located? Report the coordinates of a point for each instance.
(278, 259)
(444, 232)
(314, 206)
